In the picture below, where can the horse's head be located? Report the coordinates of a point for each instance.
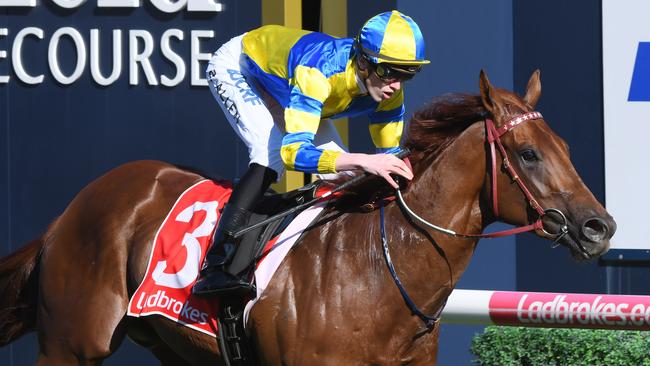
(541, 159)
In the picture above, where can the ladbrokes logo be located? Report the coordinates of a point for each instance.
(591, 311)
(72, 51)
(184, 310)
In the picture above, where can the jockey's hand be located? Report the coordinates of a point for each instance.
(382, 165)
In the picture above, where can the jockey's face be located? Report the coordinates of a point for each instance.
(383, 80)
(380, 90)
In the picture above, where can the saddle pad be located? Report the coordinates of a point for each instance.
(278, 248)
(180, 245)
(176, 256)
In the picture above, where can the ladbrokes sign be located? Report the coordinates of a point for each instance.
(570, 310)
(107, 54)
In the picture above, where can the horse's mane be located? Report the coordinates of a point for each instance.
(433, 127)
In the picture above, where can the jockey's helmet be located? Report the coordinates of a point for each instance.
(392, 38)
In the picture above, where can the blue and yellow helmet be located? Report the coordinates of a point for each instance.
(393, 38)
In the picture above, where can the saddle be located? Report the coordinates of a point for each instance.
(236, 348)
(365, 197)
(252, 243)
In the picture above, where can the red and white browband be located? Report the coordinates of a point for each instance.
(514, 122)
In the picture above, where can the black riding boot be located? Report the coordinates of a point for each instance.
(214, 279)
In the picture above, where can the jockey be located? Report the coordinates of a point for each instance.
(276, 84)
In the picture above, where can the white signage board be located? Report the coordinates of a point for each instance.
(626, 89)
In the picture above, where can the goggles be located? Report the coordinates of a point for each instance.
(389, 73)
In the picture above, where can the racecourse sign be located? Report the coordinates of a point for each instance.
(139, 45)
(162, 5)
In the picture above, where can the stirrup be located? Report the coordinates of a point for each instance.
(235, 346)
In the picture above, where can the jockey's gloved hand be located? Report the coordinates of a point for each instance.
(381, 164)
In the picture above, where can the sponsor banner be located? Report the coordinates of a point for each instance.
(178, 251)
(626, 98)
(558, 310)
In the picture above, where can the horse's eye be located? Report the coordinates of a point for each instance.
(529, 156)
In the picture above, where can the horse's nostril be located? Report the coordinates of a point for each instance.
(595, 229)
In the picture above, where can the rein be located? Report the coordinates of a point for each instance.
(429, 321)
(494, 139)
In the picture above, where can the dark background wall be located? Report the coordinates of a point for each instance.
(55, 139)
(462, 38)
(459, 45)
(563, 39)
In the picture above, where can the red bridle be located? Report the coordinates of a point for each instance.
(494, 139)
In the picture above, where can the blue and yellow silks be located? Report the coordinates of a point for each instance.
(313, 76)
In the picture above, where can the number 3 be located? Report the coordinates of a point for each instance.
(187, 274)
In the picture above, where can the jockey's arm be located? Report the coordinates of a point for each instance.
(386, 126)
(302, 117)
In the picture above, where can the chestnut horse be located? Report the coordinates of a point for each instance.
(333, 300)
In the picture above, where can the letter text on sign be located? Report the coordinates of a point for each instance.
(16, 56)
(53, 57)
(162, 5)
(3, 54)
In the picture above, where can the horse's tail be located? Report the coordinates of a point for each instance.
(19, 289)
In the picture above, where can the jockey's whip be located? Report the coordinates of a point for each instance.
(400, 155)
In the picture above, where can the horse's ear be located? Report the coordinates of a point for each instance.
(487, 93)
(533, 90)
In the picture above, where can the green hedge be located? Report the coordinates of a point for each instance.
(504, 346)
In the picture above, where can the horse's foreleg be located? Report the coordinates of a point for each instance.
(77, 345)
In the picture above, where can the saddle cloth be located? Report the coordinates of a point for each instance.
(179, 247)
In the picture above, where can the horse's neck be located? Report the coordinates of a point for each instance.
(448, 191)
(340, 269)
(446, 194)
